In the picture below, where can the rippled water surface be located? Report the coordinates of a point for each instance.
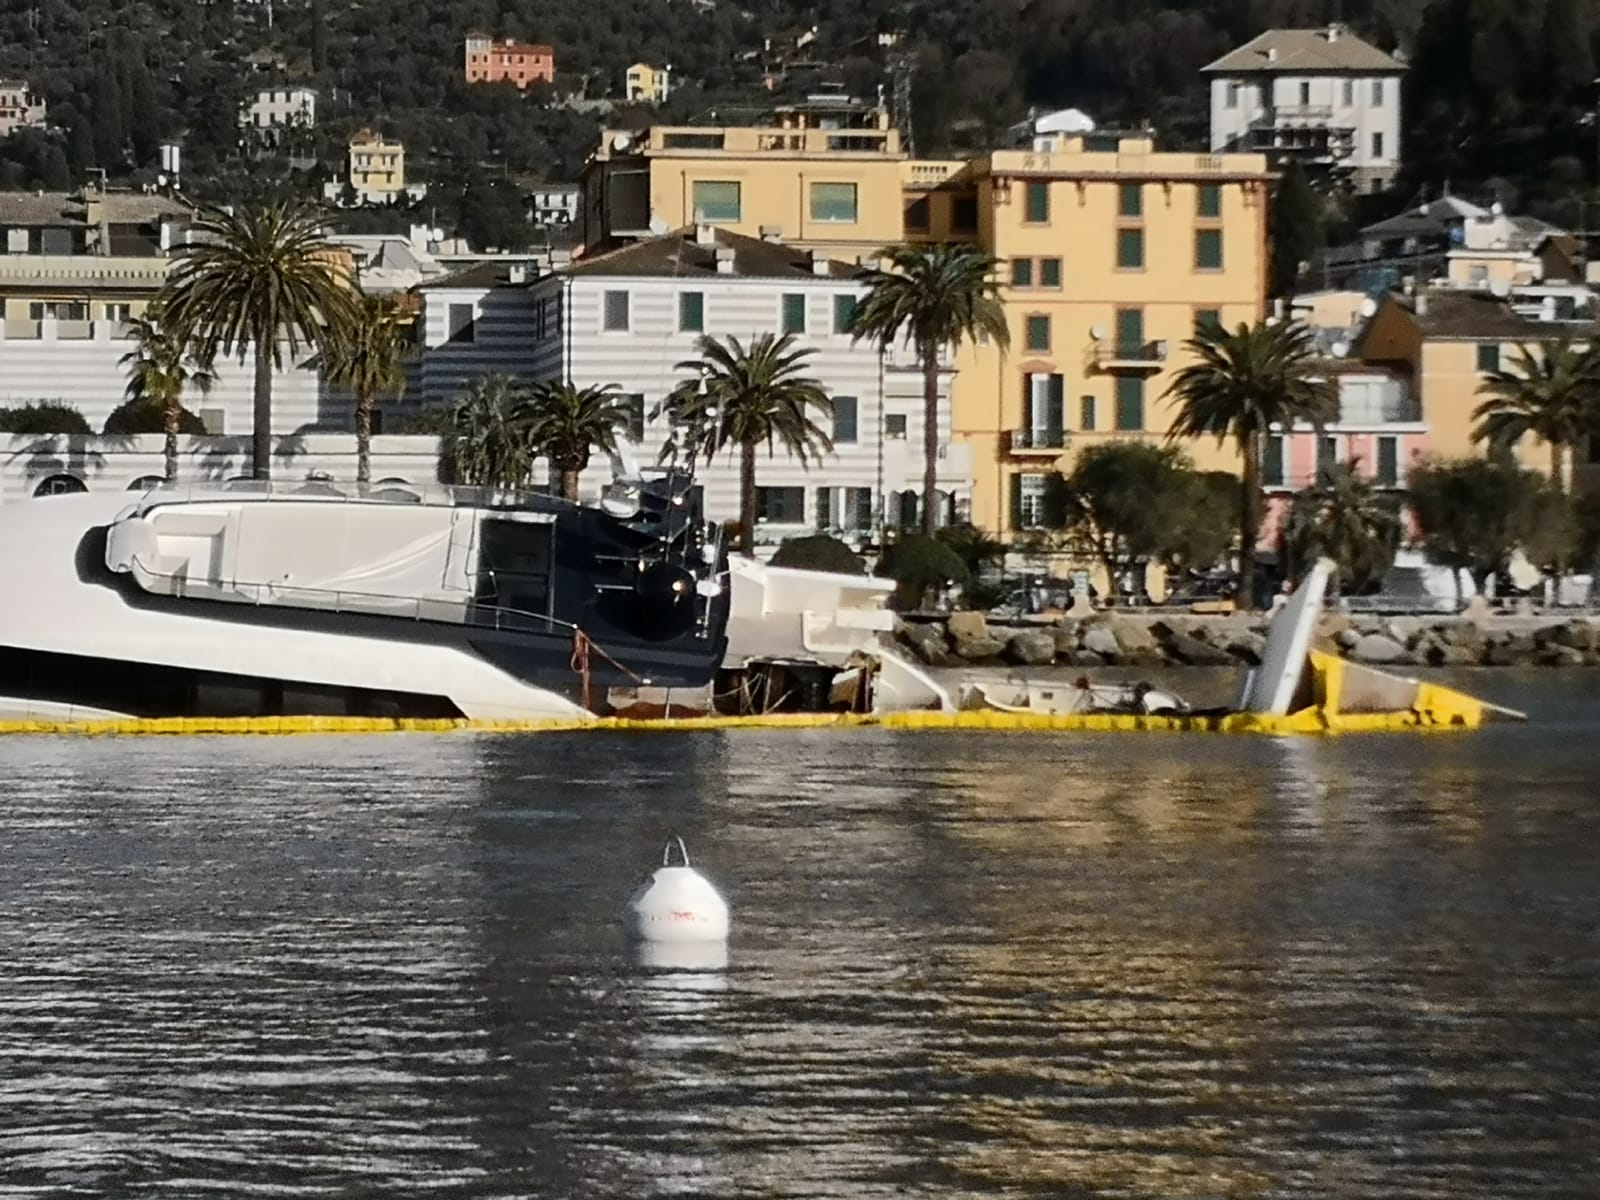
(962, 965)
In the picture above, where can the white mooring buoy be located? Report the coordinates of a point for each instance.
(677, 904)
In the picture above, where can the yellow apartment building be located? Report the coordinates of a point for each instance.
(1449, 340)
(821, 176)
(1110, 250)
(377, 167)
(645, 84)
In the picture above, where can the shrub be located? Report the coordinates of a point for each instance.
(920, 565)
(43, 416)
(819, 552)
(140, 416)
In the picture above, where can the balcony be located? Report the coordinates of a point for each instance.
(1130, 356)
(1046, 443)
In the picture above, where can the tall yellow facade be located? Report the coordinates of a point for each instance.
(1110, 252)
(377, 165)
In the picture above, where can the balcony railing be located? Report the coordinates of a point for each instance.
(1038, 441)
(1131, 355)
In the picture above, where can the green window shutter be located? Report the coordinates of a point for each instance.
(844, 419)
(794, 312)
(1086, 413)
(1130, 249)
(1488, 356)
(1055, 417)
(691, 312)
(844, 314)
(1038, 203)
(833, 203)
(1272, 464)
(1130, 403)
(1022, 272)
(1208, 200)
(1208, 249)
(1050, 272)
(1027, 403)
(1207, 318)
(715, 200)
(1130, 332)
(824, 507)
(1038, 332)
(1389, 461)
(1130, 200)
(1016, 502)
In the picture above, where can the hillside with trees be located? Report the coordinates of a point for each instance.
(1499, 94)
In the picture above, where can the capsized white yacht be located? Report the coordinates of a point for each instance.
(249, 600)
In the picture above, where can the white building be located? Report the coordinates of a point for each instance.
(628, 317)
(476, 321)
(20, 105)
(281, 108)
(1322, 96)
(556, 203)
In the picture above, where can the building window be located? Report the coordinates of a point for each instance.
(1086, 414)
(1348, 93)
(1130, 334)
(1044, 410)
(1377, 93)
(1488, 356)
(119, 313)
(858, 508)
(615, 316)
(1050, 272)
(964, 214)
(781, 505)
(1272, 461)
(1038, 332)
(824, 510)
(794, 312)
(1232, 94)
(917, 215)
(1130, 200)
(833, 203)
(1022, 272)
(1130, 249)
(1208, 200)
(635, 403)
(1208, 249)
(1377, 145)
(1388, 462)
(844, 419)
(894, 426)
(715, 200)
(1130, 403)
(460, 324)
(1038, 198)
(1327, 455)
(214, 421)
(1207, 318)
(844, 314)
(1028, 500)
(691, 312)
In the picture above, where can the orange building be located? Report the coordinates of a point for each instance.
(522, 63)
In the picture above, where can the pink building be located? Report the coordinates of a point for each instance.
(1380, 430)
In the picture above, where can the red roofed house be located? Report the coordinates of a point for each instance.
(523, 63)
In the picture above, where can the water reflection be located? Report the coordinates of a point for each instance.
(960, 965)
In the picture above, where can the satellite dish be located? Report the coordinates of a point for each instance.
(1369, 306)
(621, 142)
(1097, 334)
(1340, 349)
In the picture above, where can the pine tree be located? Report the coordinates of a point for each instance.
(1297, 228)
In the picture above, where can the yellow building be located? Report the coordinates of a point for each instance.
(644, 84)
(377, 167)
(1449, 340)
(1111, 251)
(822, 176)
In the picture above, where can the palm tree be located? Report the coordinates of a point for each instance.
(1246, 383)
(159, 367)
(251, 282)
(566, 422)
(1554, 395)
(489, 444)
(745, 396)
(935, 297)
(1345, 518)
(369, 358)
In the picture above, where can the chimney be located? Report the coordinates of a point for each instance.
(819, 263)
(517, 273)
(705, 235)
(1333, 32)
(724, 260)
(1272, 54)
(1420, 304)
(772, 233)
